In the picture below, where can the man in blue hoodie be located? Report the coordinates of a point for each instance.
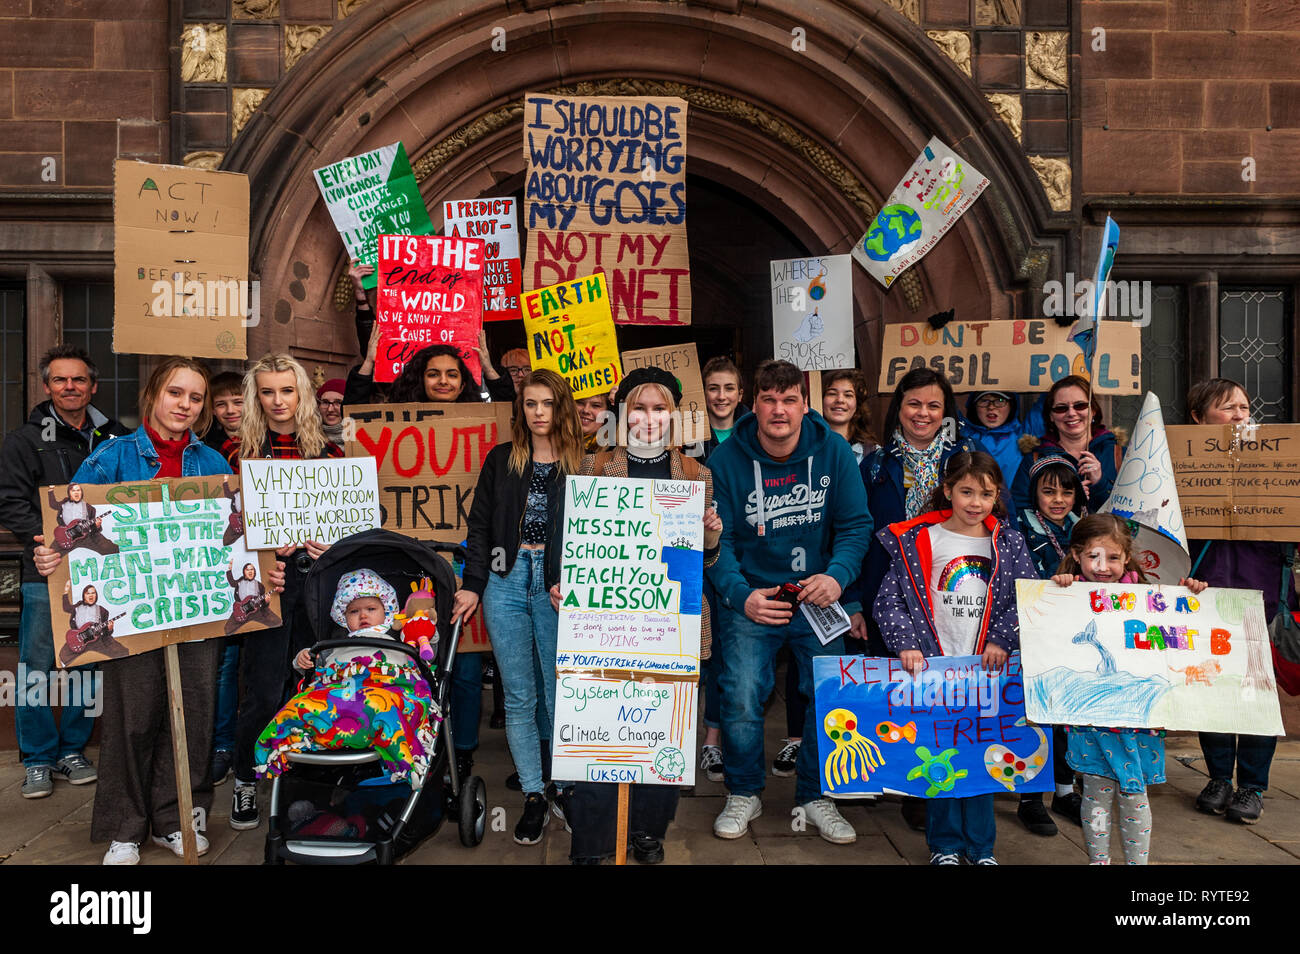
(793, 509)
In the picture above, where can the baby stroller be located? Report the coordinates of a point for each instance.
(340, 807)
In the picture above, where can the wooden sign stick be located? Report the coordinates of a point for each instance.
(180, 754)
(815, 391)
(620, 832)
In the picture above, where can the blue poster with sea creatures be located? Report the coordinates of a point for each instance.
(952, 732)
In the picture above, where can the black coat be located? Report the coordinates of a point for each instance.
(495, 517)
(29, 463)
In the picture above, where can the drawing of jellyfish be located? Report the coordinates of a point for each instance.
(854, 753)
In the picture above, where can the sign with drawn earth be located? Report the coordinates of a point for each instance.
(1130, 655)
(953, 732)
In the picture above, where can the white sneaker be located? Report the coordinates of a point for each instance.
(122, 853)
(831, 825)
(736, 815)
(174, 844)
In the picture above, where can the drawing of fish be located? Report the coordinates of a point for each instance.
(892, 732)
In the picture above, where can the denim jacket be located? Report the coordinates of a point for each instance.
(133, 457)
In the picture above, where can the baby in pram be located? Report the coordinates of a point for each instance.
(358, 698)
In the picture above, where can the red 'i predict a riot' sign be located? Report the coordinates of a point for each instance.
(430, 292)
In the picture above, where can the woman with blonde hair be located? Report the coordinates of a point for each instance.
(280, 413)
(648, 399)
(137, 788)
(513, 560)
(280, 422)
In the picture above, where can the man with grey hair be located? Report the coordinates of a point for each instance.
(47, 450)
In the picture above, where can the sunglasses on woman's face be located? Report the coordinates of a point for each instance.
(1063, 408)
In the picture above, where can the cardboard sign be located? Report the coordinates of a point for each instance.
(1013, 355)
(632, 575)
(606, 191)
(682, 362)
(812, 312)
(1146, 495)
(293, 501)
(370, 195)
(151, 563)
(430, 292)
(1238, 484)
(954, 732)
(180, 260)
(934, 194)
(495, 222)
(428, 458)
(570, 331)
(1130, 655)
(620, 730)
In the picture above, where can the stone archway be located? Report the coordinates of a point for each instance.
(816, 136)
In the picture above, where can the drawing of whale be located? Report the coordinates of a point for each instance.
(1089, 637)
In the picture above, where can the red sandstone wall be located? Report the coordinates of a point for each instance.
(1188, 89)
(70, 70)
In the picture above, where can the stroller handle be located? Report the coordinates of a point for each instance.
(456, 550)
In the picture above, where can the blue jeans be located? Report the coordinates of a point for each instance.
(954, 826)
(227, 710)
(749, 651)
(41, 741)
(466, 700)
(1253, 755)
(524, 628)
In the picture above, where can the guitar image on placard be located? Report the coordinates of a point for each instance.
(94, 635)
(235, 524)
(77, 523)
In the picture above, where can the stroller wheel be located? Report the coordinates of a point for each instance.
(473, 811)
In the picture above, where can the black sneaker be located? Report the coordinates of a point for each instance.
(243, 811)
(1070, 807)
(222, 760)
(1247, 805)
(1214, 798)
(711, 763)
(1033, 814)
(786, 760)
(530, 827)
(646, 849)
(512, 782)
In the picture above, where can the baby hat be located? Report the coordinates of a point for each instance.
(363, 583)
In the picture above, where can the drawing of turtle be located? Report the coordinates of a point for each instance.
(937, 770)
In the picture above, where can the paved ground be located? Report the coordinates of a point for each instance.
(56, 830)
